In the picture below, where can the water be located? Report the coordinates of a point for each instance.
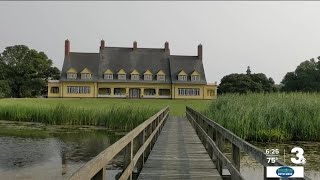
(49, 155)
(35, 151)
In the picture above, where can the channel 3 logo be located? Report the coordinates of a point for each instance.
(299, 156)
(289, 171)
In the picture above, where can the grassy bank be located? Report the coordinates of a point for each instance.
(269, 117)
(122, 114)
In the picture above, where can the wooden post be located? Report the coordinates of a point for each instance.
(236, 156)
(210, 149)
(101, 175)
(140, 162)
(220, 146)
(128, 156)
(151, 143)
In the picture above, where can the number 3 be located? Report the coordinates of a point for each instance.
(299, 154)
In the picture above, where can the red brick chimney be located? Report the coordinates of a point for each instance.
(200, 51)
(166, 46)
(102, 44)
(66, 48)
(135, 45)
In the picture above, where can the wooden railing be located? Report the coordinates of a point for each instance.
(137, 145)
(213, 137)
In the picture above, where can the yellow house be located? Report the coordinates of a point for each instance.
(118, 72)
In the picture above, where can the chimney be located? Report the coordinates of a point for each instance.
(102, 44)
(66, 48)
(166, 46)
(200, 51)
(135, 45)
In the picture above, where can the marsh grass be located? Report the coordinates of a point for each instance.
(269, 117)
(122, 117)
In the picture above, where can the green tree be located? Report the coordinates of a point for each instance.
(243, 83)
(26, 70)
(4, 89)
(305, 78)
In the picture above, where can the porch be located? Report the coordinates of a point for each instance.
(146, 93)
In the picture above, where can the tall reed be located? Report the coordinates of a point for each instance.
(124, 117)
(269, 117)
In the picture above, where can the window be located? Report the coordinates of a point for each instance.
(108, 76)
(189, 91)
(71, 75)
(164, 92)
(161, 77)
(210, 93)
(54, 90)
(182, 78)
(148, 77)
(78, 89)
(119, 91)
(85, 76)
(104, 91)
(122, 77)
(150, 92)
(134, 77)
(195, 78)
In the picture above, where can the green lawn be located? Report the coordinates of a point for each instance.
(177, 107)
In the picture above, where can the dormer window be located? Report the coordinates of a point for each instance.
(108, 74)
(122, 75)
(195, 76)
(135, 75)
(161, 76)
(147, 75)
(86, 74)
(182, 76)
(71, 75)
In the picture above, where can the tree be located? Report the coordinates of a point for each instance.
(26, 70)
(305, 78)
(4, 89)
(243, 83)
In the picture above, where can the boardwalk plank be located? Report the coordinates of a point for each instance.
(179, 154)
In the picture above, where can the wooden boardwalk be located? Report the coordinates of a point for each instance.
(179, 154)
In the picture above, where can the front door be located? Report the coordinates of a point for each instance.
(134, 93)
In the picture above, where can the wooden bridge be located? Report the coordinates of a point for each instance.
(188, 147)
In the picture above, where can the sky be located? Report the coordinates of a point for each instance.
(270, 37)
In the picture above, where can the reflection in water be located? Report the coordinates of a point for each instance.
(50, 158)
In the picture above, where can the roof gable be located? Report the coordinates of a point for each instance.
(188, 64)
(121, 71)
(108, 71)
(71, 70)
(79, 61)
(140, 59)
(161, 73)
(135, 72)
(182, 73)
(86, 71)
(147, 72)
(195, 73)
